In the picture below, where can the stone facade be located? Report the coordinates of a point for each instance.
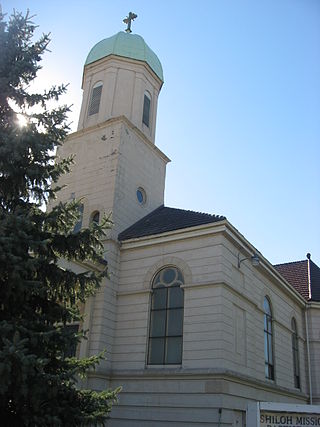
(223, 337)
(223, 362)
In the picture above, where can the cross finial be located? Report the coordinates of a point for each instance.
(131, 17)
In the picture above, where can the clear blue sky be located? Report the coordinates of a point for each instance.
(239, 110)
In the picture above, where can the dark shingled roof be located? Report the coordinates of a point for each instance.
(165, 219)
(296, 273)
(315, 281)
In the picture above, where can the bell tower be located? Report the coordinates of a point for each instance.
(118, 169)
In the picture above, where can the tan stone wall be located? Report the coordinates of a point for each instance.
(314, 338)
(93, 175)
(223, 320)
(191, 399)
(223, 344)
(111, 161)
(140, 165)
(174, 402)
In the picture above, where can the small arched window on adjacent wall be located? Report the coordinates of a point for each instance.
(78, 225)
(95, 99)
(146, 109)
(295, 353)
(268, 340)
(95, 217)
(71, 349)
(166, 318)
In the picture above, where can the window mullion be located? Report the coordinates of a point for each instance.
(166, 328)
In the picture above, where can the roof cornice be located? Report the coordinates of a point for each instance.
(102, 61)
(175, 235)
(115, 120)
(314, 304)
(265, 266)
(226, 228)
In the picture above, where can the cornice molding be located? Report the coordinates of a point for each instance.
(156, 373)
(119, 120)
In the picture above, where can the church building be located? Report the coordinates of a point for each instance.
(196, 322)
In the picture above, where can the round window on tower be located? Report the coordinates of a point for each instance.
(141, 196)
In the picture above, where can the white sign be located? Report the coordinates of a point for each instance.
(278, 419)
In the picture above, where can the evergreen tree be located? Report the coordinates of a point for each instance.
(38, 298)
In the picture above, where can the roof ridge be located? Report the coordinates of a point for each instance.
(197, 212)
(291, 262)
(165, 219)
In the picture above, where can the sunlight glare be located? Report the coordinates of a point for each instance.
(22, 121)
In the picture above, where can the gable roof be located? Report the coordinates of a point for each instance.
(296, 273)
(165, 219)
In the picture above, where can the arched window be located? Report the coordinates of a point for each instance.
(295, 353)
(166, 318)
(95, 99)
(78, 225)
(268, 340)
(146, 109)
(95, 217)
(71, 348)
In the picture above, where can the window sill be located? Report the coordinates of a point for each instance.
(168, 367)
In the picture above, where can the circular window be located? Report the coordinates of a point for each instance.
(141, 196)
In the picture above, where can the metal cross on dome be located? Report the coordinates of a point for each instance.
(131, 17)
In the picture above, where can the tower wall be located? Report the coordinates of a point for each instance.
(125, 81)
(111, 161)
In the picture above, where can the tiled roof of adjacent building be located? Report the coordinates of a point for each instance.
(296, 273)
(165, 219)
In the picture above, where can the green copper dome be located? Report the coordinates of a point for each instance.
(129, 46)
